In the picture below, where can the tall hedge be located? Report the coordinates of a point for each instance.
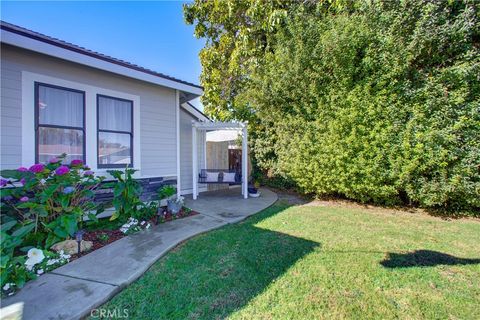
(378, 103)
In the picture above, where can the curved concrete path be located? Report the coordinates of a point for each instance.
(72, 291)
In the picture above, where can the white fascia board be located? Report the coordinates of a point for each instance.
(200, 116)
(65, 54)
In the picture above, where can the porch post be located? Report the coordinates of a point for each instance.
(177, 120)
(194, 161)
(244, 162)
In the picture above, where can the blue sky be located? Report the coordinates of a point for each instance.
(151, 34)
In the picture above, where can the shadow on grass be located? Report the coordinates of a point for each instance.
(213, 275)
(424, 258)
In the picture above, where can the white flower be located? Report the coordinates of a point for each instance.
(51, 262)
(29, 266)
(40, 271)
(6, 287)
(34, 256)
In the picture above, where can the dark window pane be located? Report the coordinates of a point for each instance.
(114, 114)
(60, 107)
(114, 148)
(53, 142)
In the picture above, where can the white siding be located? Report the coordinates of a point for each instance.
(186, 151)
(157, 107)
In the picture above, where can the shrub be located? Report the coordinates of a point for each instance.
(54, 197)
(126, 192)
(166, 191)
(41, 206)
(378, 102)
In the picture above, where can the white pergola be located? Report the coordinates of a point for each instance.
(210, 126)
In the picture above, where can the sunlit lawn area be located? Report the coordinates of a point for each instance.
(317, 262)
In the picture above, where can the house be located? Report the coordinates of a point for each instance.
(57, 97)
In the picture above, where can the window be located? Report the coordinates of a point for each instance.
(60, 122)
(115, 127)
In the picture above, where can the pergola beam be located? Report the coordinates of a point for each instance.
(210, 125)
(218, 125)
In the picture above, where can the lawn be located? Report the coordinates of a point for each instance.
(317, 262)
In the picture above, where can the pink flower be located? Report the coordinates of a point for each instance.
(22, 169)
(76, 163)
(54, 160)
(24, 199)
(62, 170)
(4, 182)
(88, 173)
(22, 181)
(37, 168)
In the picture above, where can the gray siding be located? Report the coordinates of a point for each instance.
(157, 107)
(186, 150)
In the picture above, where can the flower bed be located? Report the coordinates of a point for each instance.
(44, 209)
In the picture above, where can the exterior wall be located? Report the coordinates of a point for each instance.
(186, 151)
(156, 125)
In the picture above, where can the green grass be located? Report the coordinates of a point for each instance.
(314, 262)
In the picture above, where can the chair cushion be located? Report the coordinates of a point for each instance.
(212, 176)
(229, 177)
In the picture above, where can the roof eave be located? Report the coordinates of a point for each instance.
(97, 62)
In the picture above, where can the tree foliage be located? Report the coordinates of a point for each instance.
(378, 101)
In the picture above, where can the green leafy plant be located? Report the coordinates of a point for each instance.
(12, 269)
(54, 197)
(146, 211)
(126, 191)
(39, 207)
(103, 237)
(166, 192)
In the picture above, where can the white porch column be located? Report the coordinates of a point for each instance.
(194, 162)
(177, 120)
(244, 162)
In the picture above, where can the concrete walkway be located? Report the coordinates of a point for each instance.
(72, 291)
(229, 205)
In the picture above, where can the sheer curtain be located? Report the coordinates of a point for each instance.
(60, 107)
(60, 123)
(115, 115)
(115, 131)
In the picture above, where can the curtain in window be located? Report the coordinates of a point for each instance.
(60, 123)
(114, 114)
(60, 107)
(114, 132)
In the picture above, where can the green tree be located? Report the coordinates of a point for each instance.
(238, 34)
(374, 100)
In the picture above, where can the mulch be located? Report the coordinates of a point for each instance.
(114, 235)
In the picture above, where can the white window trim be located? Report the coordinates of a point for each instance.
(28, 118)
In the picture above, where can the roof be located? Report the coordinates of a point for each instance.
(195, 111)
(51, 46)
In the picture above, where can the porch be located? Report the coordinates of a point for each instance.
(229, 205)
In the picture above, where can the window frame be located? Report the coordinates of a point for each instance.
(110, 166)
(37, 85)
